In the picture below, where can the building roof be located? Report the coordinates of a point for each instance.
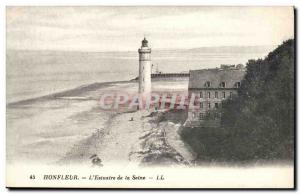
(199, 78)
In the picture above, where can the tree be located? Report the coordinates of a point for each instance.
(259, 122)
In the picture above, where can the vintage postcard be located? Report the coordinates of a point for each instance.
(150, 97)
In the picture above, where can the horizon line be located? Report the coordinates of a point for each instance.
(158, 49)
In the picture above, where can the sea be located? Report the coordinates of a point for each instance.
(31, 74)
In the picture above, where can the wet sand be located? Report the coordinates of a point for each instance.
(68, 127)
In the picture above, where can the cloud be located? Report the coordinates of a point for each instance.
(122, 28)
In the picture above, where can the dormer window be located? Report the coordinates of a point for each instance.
(208, 84)
(223, 84)
(238, 84)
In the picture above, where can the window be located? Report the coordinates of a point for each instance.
(194, 115)
(238, 84)
(223, 84)
(195, 102)
(208, 84)
(224, 95)
(216, 105)
(201, 116)
(201, 104)
(216, 95)
(208, 94)
(208, 104)
(201, 95)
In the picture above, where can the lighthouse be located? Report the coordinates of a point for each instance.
(144, 68)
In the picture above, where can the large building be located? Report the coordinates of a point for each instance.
(211, 87)
(144, 68)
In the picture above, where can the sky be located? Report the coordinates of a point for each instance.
(93, 28)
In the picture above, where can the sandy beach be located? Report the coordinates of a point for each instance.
(68, 127)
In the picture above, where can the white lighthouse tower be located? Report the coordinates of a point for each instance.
(144, 68)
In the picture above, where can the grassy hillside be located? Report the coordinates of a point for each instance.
(258, 124)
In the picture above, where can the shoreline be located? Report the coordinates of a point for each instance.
(83, 89)
(148, 143)
(63, 119)
(73, 91)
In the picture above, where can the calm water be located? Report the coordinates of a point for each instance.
(36, 73)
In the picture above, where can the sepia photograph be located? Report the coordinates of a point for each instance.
(137, 97)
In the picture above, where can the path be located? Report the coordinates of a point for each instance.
(122, 138)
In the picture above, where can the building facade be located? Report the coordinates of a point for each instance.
(210, 87)
(144, 68)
